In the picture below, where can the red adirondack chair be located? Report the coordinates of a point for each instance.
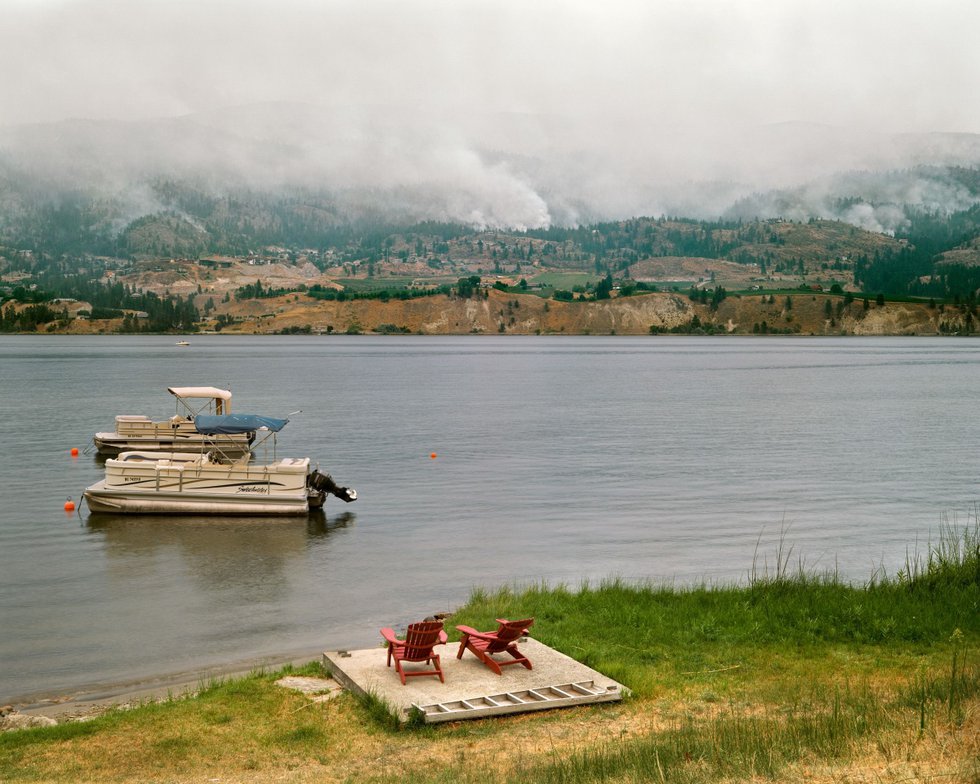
(504, 640)
(420, 639)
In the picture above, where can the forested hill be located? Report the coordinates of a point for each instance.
(933, 250)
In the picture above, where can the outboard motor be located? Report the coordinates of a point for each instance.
(323, 483)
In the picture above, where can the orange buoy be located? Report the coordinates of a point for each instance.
(433, 455)
(69, 505)
(74, 451)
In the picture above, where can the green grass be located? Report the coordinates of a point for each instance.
(624, 629)
(564, 280)
(390, 284)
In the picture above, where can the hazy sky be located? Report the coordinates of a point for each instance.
(892, 65)
(500, 112)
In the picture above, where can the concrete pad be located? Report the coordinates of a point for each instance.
(317, 689)
(471, 689)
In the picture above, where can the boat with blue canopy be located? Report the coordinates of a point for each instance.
(137, 432)
(236, 424)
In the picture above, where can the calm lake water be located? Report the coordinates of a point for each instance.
(666, 459)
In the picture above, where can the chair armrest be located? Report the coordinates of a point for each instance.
(389, 635)
(471, 632)
(524, 632)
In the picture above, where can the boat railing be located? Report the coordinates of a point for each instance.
(137, 425)
(191, 401)
(262, 439)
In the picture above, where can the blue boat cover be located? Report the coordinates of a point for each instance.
(233, 424)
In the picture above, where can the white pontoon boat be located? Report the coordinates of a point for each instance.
(140, 433)
(207, 482)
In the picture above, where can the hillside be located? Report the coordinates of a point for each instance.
(505, 313)
(771, 254)
(803, 313)
(238, 178)
(308, 197)
(637, 276)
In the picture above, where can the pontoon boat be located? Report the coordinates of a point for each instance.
(140, 433)
(208, 482)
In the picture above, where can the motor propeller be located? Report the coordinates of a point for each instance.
(323, 483)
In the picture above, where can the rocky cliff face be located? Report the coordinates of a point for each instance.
(805, 313)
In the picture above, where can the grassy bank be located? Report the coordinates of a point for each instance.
(791, 677)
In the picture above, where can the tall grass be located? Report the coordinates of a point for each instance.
(381, 712)
(940, 693)
(953, 561)
(728, 747)
(925, 602)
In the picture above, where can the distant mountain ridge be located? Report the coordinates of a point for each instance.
(288, 173)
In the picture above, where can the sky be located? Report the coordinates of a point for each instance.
(896, 65)
(672, 91)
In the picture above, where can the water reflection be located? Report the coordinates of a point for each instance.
(204, 533)
(251, 556)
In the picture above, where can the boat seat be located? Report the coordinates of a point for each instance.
(137, 456)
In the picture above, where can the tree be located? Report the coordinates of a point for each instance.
(603, 288)
(467, 287)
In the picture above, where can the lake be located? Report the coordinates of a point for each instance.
(681, 460)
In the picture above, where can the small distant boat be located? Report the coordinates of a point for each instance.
(209, 483)
(183, 342)
(139, 432)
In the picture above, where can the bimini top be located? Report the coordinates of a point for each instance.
(212, 393)
(234, 424)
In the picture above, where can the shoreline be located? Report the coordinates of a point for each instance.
(92, 699)
(720, 692)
